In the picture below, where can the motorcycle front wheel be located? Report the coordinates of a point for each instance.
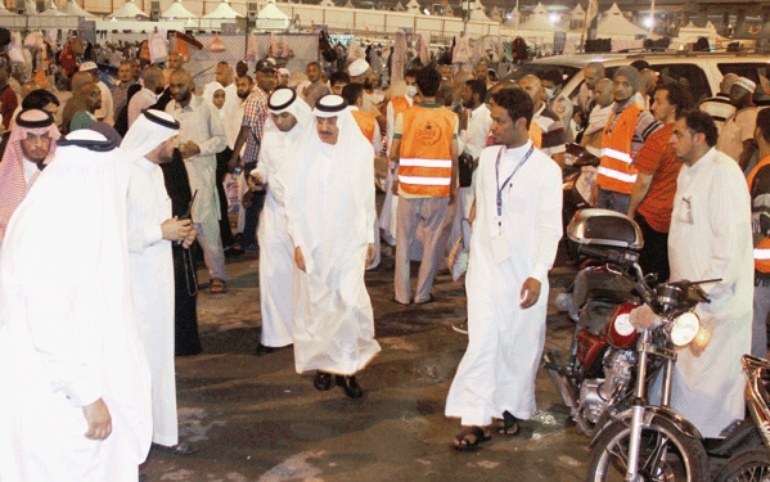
(666, 454)
(750, 464)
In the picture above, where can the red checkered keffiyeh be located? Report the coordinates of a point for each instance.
(13, 187)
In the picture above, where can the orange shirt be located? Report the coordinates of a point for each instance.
(657, 157)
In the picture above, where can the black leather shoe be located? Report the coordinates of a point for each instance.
(178, 449)
(350, 385)
(322, 381)
(264, 350)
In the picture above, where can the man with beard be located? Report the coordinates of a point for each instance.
(250, 135)
(92, 96)
(623, 136)
(283, 127)
(553, 137)
(201, 138)
(317, 87)
(31, 147)
(151, 230)
(105, 112)
(737, 136)
(330, 212)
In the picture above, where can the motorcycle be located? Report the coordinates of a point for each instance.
(652, 442)
(596, 374)
(751, 463)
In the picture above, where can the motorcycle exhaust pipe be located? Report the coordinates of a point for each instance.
(565, 388)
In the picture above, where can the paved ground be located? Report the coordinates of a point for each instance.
(254, 419)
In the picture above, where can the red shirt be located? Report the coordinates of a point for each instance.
(657, 157)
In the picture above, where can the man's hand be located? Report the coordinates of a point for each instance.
(254, 181)
(175, 229)
(190, 238)
(299, 259)
(452, 197)
(530, 292)
(189, 149)
(235, 160)
(371, 252)
(99, 420)
(701, 341)
(394, 186)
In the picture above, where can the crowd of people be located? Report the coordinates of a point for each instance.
(130, 178)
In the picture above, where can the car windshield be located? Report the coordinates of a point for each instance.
(538, 69)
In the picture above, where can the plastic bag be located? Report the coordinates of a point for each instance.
(158, 48)
(457, 261)
(216, 44)
(34, 41)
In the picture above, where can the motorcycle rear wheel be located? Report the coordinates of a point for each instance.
(666, 454)
(750, 464)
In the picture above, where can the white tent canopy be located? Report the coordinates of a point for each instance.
(177, 10)
(326, 3)
(72, 8)
(478, 12)
(223, 10)
(399, 7)
(578, 12)
(349, 4)
(29, 7)
(51, 11)
(413, 6)
(128, 10)
(539, 21)
(613, 24)
(272, 18)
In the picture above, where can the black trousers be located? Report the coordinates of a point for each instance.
(654, 255)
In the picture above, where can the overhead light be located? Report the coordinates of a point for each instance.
(425, 11)
(649, 22)
(555, 18)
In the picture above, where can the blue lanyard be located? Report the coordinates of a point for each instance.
(500, 187)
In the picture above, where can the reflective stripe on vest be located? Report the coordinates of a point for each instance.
(425, 164)
(616, 172)
(762, 250)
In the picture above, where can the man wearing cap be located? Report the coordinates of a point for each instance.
(719, 107)
(283, 127)
(202, 136)
(105, 111)
(623, 136)
(254, 116)
(31, 146)
(736, 138)
(317, 87)
(284, 76)
(330, 212)
(151, 230)
(425, 148)
(76, 386)
(360, 71)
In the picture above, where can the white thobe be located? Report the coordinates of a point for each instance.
(330, 211)
(277, 271)
(106, 112)
(710, 238)
(505, 343)
(152, 282)
(67, 330)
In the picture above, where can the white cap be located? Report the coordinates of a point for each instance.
(358, 67)
(85, 66)
(284, 71)
(747, 84)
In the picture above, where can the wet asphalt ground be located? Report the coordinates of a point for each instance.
(253, 418)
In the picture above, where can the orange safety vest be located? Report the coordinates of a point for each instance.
(425, 164)
(536, 134)
(365, 122)
(761, 250)
(400, 104)
(615, 171)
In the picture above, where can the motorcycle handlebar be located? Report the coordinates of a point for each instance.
(623, 258)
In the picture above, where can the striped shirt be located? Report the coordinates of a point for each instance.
(657, 157)
(254, 117)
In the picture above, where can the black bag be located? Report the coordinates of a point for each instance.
(327, 51)
(466, 169)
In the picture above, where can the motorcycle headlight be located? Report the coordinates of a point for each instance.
(684, 328)
(623, 324)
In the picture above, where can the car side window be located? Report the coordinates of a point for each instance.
(690, 76)
(759, 72)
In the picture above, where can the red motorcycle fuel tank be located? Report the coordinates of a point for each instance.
(620, 333)
(589, 346)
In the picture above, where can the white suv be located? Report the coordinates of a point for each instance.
(700, 72)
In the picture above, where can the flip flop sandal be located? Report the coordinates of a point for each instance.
(509, 425)
(473, 437)
(218, 286)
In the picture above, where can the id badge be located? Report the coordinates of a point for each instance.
(685, 213)
(500, 250)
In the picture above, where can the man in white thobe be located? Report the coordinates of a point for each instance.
(151, 229)
(202, 137)
(76, 387)
(288, 116)
(330, 212)
(516, 230)
(711, 238)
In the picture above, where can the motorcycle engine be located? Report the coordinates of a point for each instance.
(595, 392)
